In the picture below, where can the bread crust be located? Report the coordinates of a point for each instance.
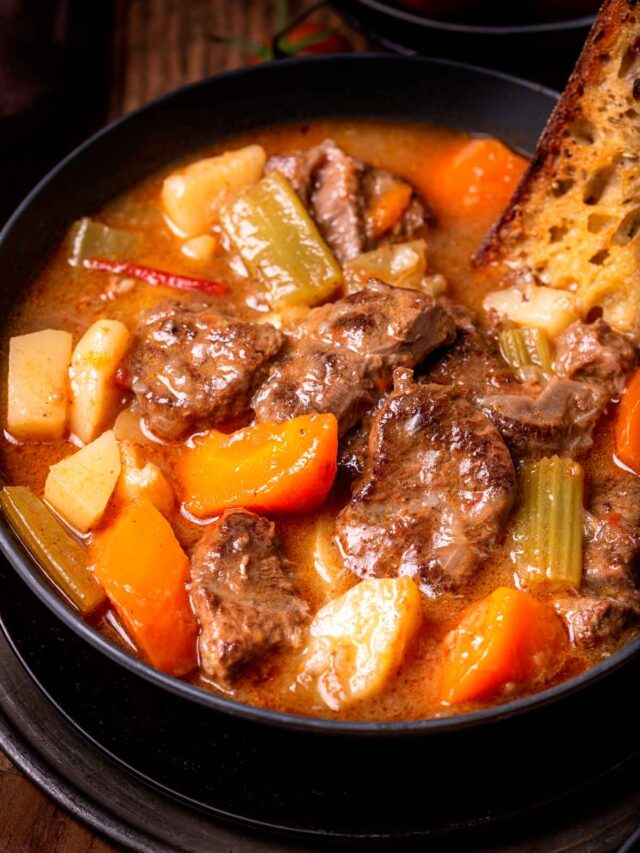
(610, 27)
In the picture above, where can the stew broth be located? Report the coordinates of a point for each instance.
(66, 298)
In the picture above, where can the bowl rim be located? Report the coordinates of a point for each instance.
(27, 568)
(409, 17)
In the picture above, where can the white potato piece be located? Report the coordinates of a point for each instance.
(201, 249)
(359, 640)
(94, 395)
(37, 389)
(194, 196)
(80, 486)
(142, 479)
(541, 307)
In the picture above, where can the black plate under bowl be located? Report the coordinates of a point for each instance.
(543, 51)
(82, 752)
(308, 776)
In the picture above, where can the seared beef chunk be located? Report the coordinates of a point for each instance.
(438, 483)
(311, 379)
(342, 355)
(611, 601)
(613, 534)
(538, 420)
(591, 362)
(354, 447)
(376, 183)
(243, 596)
(192, 367)
(336, 203)
(338, 190)
(472, 363)
(534, 420)
(557, 418)
(591, 621)
(593, 352)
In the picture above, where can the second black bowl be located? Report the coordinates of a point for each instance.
(541, 51)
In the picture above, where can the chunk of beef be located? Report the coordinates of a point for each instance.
(354, 447)
(611, 601)
(329, 182)
(376, 183)
(591, 621)
(472, 364)
(339, 190)
(557, 418)
(310, 379)
(437, 485)
(341, 357)
(192, 367)
(336, 201)
(591, 362)
(243, 595)
(593, 352)
(612, 543)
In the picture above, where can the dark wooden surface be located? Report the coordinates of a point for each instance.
(156, 46)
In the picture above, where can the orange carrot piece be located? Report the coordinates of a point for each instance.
(507, 637)
(144, 571)
(628, 425)
(479, 174)
(387, 209)
(286, 467)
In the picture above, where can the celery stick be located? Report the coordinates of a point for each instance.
(526, 349)
(91, 239)
(280, 243)
(61, 558)
(549, 523)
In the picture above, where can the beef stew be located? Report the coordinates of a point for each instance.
(192, 368)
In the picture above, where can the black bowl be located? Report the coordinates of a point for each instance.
(290, 771)
(542, 51)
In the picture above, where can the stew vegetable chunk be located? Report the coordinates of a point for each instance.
(509, 638)
(143, 569)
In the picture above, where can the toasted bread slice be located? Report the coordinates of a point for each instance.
(574, 220)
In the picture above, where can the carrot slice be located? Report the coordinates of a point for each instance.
(144, 571)
(479, 174)
(286, 467)
(628, 425)
(387, 209)
(507, 637)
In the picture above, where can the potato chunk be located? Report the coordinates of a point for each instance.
(141, 479)
(38, 394)
(359, 640)
(201, 249)
(94, 395)
(79, 487)
(540, 307)
(194, 196)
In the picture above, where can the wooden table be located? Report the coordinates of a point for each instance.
(157, 45)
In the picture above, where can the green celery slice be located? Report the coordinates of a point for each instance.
(90, 239)
(549, 524)
(281, 245)
(526, 348)
(61, 558)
